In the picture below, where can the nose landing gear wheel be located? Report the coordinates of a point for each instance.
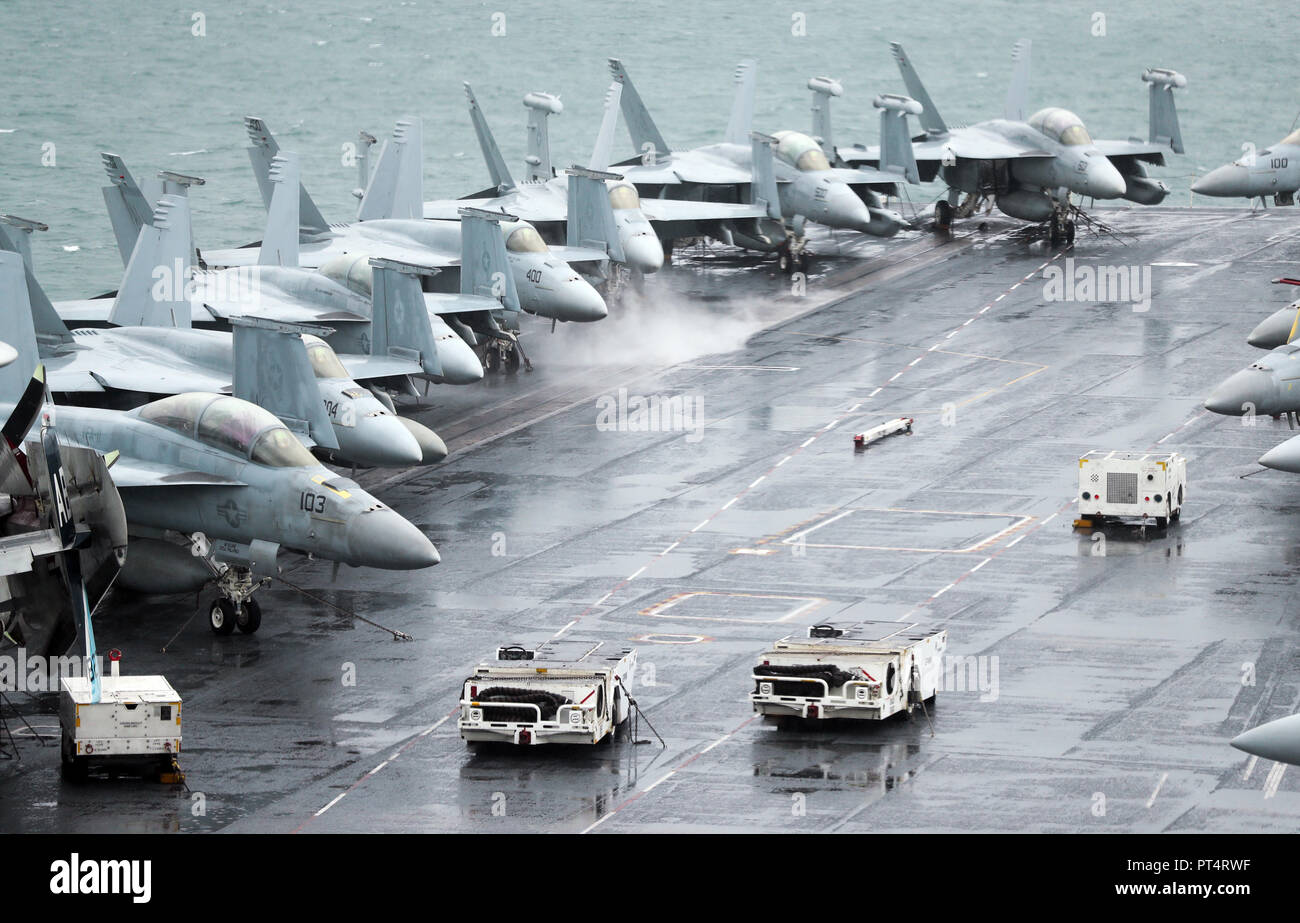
(249, 618)
(221, 616)
(942, 216)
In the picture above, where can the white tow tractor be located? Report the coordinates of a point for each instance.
(563, 691)
(868, 670)
(132, 720)
(1131, 485)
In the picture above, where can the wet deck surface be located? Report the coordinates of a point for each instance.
(1119, 663)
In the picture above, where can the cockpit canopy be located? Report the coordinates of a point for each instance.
(805, 154)
(232, 425)
(623, 196)
(324, 361)
(1293, 138)
(525, 239)
(1060, 125)
(352, 271)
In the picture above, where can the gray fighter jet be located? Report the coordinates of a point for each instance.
(1030, 165)
(1274, 171)
(214, 486)
(808, 188)
(150, 352)
(547, 286)
(542, 198)
(340, 295)
(1277, 740)
(1269, 387)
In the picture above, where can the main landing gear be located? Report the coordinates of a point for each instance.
(793, 255)
(503, 356)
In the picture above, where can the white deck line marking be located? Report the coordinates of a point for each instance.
(1164, 437)
(951, 334)
(915, 361)
(1015, 541)
(433, 727)
(1152, 799)
(999, 298)
(337, 798)
(944, 590)
(985, 308)
(758, 480)
(700, 526)
(573, 622)
(670, 547)
(1250, 767)
(784, 460)
(853, 408)
(729, 502)
(379, 767)
(875, 392)
(934, 347)
(1274, 779)
(1050, 518)
(640, 571)
(830, 426)
(807, 442)
(895, 376)
(1014, 287)
(979, 565)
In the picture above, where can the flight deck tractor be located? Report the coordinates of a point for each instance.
(1126, 486)
(563, 691)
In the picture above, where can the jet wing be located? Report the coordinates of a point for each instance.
(686, 210)
(866, 176)
(577, 255)
(364, 368)
(134, 472)
(689, 171)
(19, 552)
(962, 145)
(454, 303)
(85, 372)
(537, 209)
(1149, 151)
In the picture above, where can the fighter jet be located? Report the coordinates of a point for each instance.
(547, 286)
(1277, 740)
(1269, 386)
(1274, 171)
(808, 188)
(1030, 165)
(542, 198)
(340, 295)
(214, 486)
(150, 351)
(64, 530)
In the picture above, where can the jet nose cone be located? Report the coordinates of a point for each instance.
(1246, 391)
(1229, 180)
(1278, 740)
(1284, 457)
(432, 448)
(1104, 181)
(381, 538)
(459, 364)
(381, 442)
(644, 252)
(1274, 330)
(582, 302)
(845, 210)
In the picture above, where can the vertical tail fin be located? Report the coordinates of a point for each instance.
(399, 320)
(484, 268)
(261, 150)
(16, 329)
(49, 326)
(280, 241)
(762, 189)
(496, 164)
(823, 90)
(1164, 127)
(272, 370)
(154, 289)
(645, 134)
(540, 106)
(602, 153)
(591, 216)
(931, 121)
(396, 187)
(1018, 92)
(128, 209)
(896, 154)
(742, 107)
